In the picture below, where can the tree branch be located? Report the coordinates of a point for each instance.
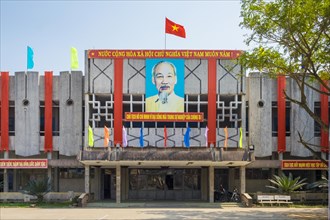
(307, 145)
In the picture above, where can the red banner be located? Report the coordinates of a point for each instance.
(187, 54)
(4, 98)
(48, 146)
(325, 119)
(23, 163)
(164, 117)
(281, 120)
(303, 165)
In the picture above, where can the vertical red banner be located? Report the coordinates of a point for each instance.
(118, 101)
(48, 147)
(281, 120)
(325, 119)
(4, 111)
(212, 99)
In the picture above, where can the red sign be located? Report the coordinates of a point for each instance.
(303, 165)
(164, 117)
(23, 163)
(187, 54)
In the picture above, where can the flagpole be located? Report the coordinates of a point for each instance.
(165, 41)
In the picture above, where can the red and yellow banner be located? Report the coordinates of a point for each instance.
(23, 163)
(187, 54)
(303, 165)
(164, 117)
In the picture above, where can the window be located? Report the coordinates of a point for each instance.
(229, 111)
(317, 111)
(11, 118)
(55, 118)
(275, 119)
(257, 173)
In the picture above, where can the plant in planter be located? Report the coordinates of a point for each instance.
(286, 184)
(321, 184)
(38, 188)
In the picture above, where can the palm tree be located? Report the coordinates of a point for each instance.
(286, 184)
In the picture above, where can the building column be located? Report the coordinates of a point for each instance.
(56, 179)
(97, 181)
(211, 184)
(5, 175)
(280, 156)
(49, 171)
(118, 183)
(242, 178)
(87, 179)
(15, 185)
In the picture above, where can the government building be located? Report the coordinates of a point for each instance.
(149, 125)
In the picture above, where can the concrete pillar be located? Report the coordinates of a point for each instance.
(87, 179)
(204, 182)
(124, 183)
(5, 181)
(49, 171)
(5, 175)
(242, 178)
(280, 156)
(231, 179)
(15, 185)
(56, 179)
(97, 182)
(118, 183)
(211, 184)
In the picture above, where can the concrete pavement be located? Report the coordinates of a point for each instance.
(163, 213)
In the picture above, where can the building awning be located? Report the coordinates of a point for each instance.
(158, 157)
(65, 163)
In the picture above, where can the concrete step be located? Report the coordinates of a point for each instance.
(162, 204)
(230, 204)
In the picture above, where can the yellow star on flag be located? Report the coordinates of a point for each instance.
(175, 28)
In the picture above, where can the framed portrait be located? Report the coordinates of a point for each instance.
(164, 85)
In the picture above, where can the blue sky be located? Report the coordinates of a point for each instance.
(51, 28)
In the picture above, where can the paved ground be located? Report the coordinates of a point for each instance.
(163, 213)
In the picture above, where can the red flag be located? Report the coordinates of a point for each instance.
(175, 29)
(165, 136)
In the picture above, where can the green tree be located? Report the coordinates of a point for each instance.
(292, 38)
(38, 188)
(286, 184)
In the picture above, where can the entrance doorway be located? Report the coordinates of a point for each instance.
(220, 184)
(164, 184)
(108, 184)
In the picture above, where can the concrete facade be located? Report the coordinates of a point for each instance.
(88, 99)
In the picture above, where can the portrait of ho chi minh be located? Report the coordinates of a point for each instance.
(164, 78)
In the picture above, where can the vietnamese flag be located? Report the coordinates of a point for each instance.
(175, 29)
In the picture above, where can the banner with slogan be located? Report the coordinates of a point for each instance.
(164, 117)
(303, 165)
(186, 54)
(23, 163)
